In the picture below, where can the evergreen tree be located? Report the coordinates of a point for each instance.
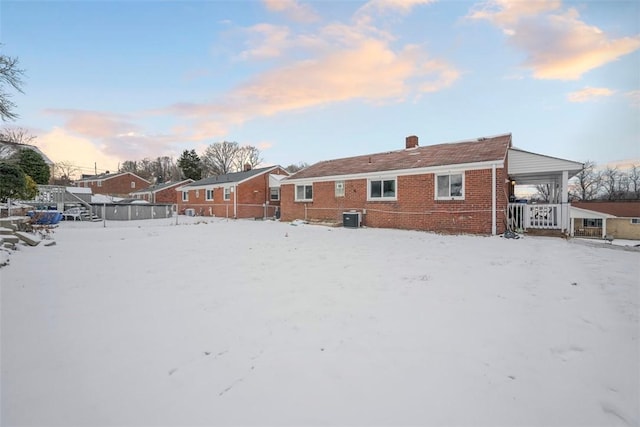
(13, 182)
(190, 164)
(33, 165)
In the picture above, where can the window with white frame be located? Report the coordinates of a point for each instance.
(197, 194)
(304, 193)
(382, 189)
(99, 183)
(635, 220)
(227, 193)
(450, 186)
(133, 184)
(209, 194)
(339, 188)
(274, 193)
(185, 196)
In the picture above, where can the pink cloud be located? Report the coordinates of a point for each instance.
(558, 44)
(589, 93)
(293, 9)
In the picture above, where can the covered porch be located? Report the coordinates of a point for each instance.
(531, 169)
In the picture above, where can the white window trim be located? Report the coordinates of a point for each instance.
(435, 185)
(296, 192)
(382, 198)
(185, 196)
(271, 198)
(133, 184)
(100, 183)
(339, 192)
(207, 193)
(637, 221)
(227, 193)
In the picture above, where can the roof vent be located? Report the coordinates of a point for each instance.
(482, 138)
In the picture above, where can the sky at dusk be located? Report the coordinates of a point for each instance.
(109, 81)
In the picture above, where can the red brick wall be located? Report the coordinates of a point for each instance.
(251, 197)
(117, 186)
(167, 195)
(415, 207)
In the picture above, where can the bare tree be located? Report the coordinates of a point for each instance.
(610, 184)
(64, 173)
(17, 135)
(544, 192)
(247, 155)
(165, 169)
(295, 167)
(219, 158)
(10, 75)
(588, 182)
(634, 181)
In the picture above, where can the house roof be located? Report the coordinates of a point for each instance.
(530, 168)
(622, 208)
(105, 176)
(229, 178)
(455, 153)
(163, 186)
(9, 148)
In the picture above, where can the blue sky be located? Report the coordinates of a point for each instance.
(109, 81)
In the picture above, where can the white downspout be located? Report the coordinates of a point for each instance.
(565, 200)
(235, 201)
(493, 200)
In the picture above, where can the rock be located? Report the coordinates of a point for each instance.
(29, 239)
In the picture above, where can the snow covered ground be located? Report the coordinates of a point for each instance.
(264, 323)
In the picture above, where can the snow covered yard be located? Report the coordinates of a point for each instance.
(264, 323)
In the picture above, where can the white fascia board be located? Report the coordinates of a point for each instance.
(575, 212)
(461, 167)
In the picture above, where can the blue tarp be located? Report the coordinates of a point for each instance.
(45, 217)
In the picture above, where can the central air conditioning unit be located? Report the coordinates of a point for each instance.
(351, 219)
(190, 212)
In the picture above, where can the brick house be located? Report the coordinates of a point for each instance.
(118, 184)
(252, 193)
(462, 187)
(160, 193)
(597, 219)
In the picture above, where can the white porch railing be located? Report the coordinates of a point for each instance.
(522, 216)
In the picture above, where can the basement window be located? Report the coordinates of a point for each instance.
(382, 189)
(304, 193)
(450, 186)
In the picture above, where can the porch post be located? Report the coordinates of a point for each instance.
(493, 199)
(604, 227)
(565, 200)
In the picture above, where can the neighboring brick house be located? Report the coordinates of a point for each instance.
(114, 184)
(461, 187)
(160, 193)
(618, 219)
(252, 193)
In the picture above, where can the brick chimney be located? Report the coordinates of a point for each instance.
(247, 167)
(412, 141)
